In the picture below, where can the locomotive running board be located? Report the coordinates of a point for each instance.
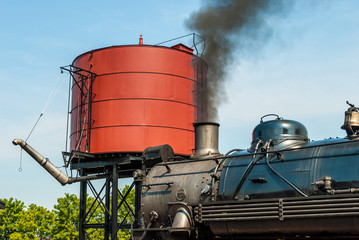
(312, 215)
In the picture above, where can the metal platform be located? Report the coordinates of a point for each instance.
(97, 163)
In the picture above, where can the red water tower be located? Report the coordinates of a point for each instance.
(127, 98)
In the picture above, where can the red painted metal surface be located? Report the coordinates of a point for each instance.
(142, 96)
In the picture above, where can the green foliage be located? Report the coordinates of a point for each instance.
(35, 223)
(66, 225)
(9, 217)
(18, 222)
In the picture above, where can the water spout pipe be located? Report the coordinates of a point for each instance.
(54, 171)
(44, 162)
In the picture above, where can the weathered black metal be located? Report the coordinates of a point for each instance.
(82, 214)
(279, 214)
(157, 184)
(153, 155)
(114, 209)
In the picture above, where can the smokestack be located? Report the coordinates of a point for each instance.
(227, 25)
(206, 139)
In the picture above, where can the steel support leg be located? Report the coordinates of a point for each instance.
(82, 214)
(107, 214)
(114, 202)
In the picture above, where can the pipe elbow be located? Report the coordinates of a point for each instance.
(16, 141)
(19, 142)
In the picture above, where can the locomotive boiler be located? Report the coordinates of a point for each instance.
(282, 186)
(139, 110)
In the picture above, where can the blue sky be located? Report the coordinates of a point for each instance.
(305, 71)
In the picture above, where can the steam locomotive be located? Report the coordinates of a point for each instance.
(283, 186)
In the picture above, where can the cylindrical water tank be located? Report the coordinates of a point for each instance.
(142, 96)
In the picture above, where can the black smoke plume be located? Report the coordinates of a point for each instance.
(228, 25)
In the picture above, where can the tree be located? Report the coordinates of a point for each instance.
(9, 217)
(34, 223)
(67, 217)
(18, 222)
